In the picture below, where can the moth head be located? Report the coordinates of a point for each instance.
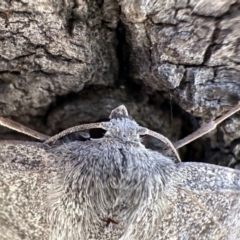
(122, 127)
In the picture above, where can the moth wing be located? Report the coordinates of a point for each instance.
(206, 206)
(217, 189)
(25, 180)
(23, 155)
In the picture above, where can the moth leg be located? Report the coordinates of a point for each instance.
(22, 129)
(205, 128)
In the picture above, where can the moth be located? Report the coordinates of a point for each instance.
(113, 187)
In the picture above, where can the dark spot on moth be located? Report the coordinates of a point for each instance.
(108, 221)
(98, 132)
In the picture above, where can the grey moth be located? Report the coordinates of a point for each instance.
(113, 187)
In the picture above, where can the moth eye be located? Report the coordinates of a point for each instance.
(98, 132)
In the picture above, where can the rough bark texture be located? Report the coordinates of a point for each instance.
(66, 62)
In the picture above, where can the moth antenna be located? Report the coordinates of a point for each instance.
(103, 125)
(22, 129)
(146, 131)
(206, 128)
